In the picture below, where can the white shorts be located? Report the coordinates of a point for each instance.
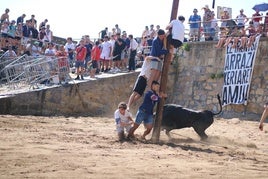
(105, 57)
(120, 129)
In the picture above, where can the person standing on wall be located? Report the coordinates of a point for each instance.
(81, 52)
(133, 51)
(207, 22)
(195, 24)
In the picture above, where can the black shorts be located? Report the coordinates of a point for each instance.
(117, 58)
(94, 64)
(140, 85)
(174, 42)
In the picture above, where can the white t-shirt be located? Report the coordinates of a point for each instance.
(213, 23)
(146, 69)
(106, 50)
(35, 50)
(69, 46)
(123, 118)
(241, 19)
(50, 52)
(48, 36)
(133, 44)
(10, 53)
(177, 30)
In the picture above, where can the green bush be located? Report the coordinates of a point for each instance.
(186, 47)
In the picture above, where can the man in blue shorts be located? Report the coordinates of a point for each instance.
(145, 111)
(195, 24)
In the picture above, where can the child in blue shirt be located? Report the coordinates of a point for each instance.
(145, 111)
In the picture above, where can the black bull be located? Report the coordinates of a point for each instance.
(177, 117)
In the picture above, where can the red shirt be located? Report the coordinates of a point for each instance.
(266, 20)
(81, 53)
(256, 19)
(62, 58)
(95, 53)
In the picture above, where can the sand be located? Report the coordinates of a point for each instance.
(87, 147)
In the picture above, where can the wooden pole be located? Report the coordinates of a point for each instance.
(213, 4)
(163, 82)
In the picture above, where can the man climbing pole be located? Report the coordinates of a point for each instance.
(163, 83)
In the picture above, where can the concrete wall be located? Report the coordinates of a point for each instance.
(190, 84)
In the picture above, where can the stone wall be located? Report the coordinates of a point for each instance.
(90, 98)
(196, 88)
(190, 83)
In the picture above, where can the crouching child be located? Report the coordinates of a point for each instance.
(123, 120)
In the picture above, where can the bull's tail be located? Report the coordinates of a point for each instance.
(219, 99)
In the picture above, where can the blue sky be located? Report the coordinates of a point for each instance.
(80, 17)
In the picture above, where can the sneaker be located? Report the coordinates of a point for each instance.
(77, 78)
(117, 70)
(112, 70)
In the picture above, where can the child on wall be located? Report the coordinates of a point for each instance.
(95, 59)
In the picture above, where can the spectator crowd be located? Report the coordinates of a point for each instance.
(117, 51)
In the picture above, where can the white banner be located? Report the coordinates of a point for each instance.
(238, 70)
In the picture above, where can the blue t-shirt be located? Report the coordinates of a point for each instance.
(89, 47)
(194, 18)
(157, 48)
(127, 42)
(150, 99)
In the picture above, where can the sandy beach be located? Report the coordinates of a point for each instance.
(87, 147)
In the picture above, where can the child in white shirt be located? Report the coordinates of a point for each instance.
(123, 120)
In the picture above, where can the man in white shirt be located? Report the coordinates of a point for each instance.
(176, 34)
(106, 52)
(176, 37)
(241, 19)
(133, 51)
(10, 53)
(141, 82)
(49, 34)
(70, 48)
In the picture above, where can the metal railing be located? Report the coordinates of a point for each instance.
(31, 72)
